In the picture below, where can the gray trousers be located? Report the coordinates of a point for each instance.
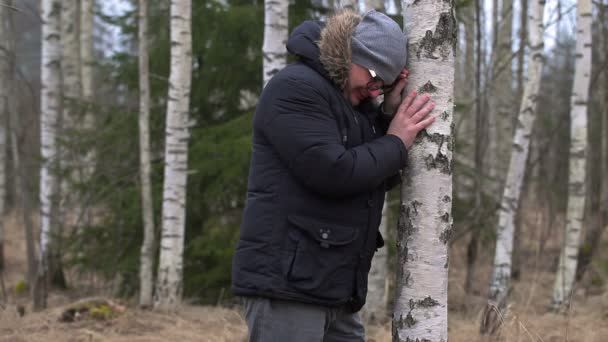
(271, 320)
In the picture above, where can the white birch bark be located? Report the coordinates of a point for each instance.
(566, 270)
(275, 37)
(504, 241)
(146, 275)
(50, 106)
(5, 77)
(169, 282)
(425, 222)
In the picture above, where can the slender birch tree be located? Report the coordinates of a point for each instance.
(425, 222)
(566, 270)
(501, 275)
(146, 273)
(275, 37)
(5, 76)
(50, 109)
(169, 282)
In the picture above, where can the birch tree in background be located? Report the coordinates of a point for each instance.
(499, 285)
(425, 222)
(566, 270)
(5, 86)
(169, 281)
(146, 273)
(275, 37)
(50, 104)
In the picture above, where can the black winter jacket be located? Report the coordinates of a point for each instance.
(316, 187)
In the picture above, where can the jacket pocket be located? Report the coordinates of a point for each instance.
(323, 262)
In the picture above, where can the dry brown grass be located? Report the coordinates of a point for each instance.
(528, 318)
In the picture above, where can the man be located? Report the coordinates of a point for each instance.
(323, 156)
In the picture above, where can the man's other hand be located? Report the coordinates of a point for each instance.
(392, 98)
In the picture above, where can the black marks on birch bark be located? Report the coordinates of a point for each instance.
(427, 302)
(428, 87)
(446, 234)
(441, 43)
(439, 160)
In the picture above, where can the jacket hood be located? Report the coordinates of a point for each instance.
(326, 49)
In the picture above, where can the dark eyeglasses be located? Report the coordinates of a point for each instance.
(377, 84)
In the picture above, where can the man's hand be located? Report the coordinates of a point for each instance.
(392, 99)
(411, 117)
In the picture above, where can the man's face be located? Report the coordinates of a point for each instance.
(361, 85)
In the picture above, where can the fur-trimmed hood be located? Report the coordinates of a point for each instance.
(326, 49)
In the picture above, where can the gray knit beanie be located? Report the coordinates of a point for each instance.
(379, 44)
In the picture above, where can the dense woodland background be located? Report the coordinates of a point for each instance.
(99, 234)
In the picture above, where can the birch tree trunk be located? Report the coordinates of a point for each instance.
(501, 275)
(275, 37)
(146, 275)
(425, 222)
(169, 282)
(578, 154)
(5, 86)
(50, 108)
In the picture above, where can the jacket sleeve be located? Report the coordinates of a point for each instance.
(304, 133)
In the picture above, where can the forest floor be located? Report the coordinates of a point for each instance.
(528, 317)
